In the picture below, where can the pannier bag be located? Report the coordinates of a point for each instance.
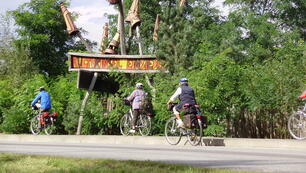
(189, 120)
(54, 115)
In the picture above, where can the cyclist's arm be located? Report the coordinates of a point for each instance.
(177, 93)
(38, 96)
(132, 96)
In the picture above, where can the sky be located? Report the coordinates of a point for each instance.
(91, 14)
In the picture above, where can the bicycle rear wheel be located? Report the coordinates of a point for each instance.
(194, 135)
(125, 124)
(144, 125)
(172, 132)
(49, 128)
(297, 125)
(34, 125)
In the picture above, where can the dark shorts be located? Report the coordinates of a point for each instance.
(179, 106)
(44, 110)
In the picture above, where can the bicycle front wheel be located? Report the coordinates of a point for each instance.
(125, 125)
(144, 125)
(194, 135)
(172, 132)
(34, 127)
(297, 125)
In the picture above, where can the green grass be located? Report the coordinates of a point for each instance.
(13, 163)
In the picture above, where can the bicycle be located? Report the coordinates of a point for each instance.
(43, 121)
(297, 123)
(194, 132)
(143, 124)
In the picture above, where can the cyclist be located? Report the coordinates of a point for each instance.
(185, 95)
(45, 100)
(137, 97)
(44, 105)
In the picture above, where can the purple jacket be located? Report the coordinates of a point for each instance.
(137, 96)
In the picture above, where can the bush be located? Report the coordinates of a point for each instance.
(15, 121)
(6, 97)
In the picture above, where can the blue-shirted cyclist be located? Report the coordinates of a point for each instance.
(45, 100)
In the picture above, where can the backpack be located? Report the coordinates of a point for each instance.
(146, 105)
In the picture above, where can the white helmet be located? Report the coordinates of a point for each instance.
(139, 85)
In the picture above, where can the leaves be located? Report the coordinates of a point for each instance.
(247, 69)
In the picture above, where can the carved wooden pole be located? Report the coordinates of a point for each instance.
(156, 28)
(104, 36)
(121, 28)
(182, 3)
(73, 30)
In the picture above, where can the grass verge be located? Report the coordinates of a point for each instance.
(12, 163)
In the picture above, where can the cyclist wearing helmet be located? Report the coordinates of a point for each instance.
(45, 100)
(185, 95)
(137, 96)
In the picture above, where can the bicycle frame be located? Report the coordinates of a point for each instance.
(43, 122)
(303, 110)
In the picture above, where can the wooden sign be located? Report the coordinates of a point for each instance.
(116, 63)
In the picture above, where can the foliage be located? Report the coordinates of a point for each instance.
(246, 69)
(42, 29)
(6, 96)
(17, 117)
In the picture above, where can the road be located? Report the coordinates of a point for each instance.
(263, 159)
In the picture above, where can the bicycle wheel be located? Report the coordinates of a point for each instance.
(144, 125)
(34, 125)
(297, 125)
(49, 128)
(172, 132)
(125, 124)
(194, 135)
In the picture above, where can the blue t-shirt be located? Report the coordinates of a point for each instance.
(44, 98)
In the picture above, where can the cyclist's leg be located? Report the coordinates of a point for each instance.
(136, 113)
(41, 116)
(178, 118)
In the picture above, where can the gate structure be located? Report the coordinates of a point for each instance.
(95, 63)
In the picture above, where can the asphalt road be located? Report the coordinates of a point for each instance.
(263, 160)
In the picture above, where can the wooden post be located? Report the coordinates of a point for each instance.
(92, 84)
(139, 40)
(88, 48)
(121, 28)
(141, 53)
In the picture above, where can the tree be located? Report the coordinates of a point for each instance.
(181, 32)
(290, 14)
(42, 29)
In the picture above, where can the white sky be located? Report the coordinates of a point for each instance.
(91, 13)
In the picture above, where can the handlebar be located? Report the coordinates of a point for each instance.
(170, 106)
(34, 107)
(126, 102)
